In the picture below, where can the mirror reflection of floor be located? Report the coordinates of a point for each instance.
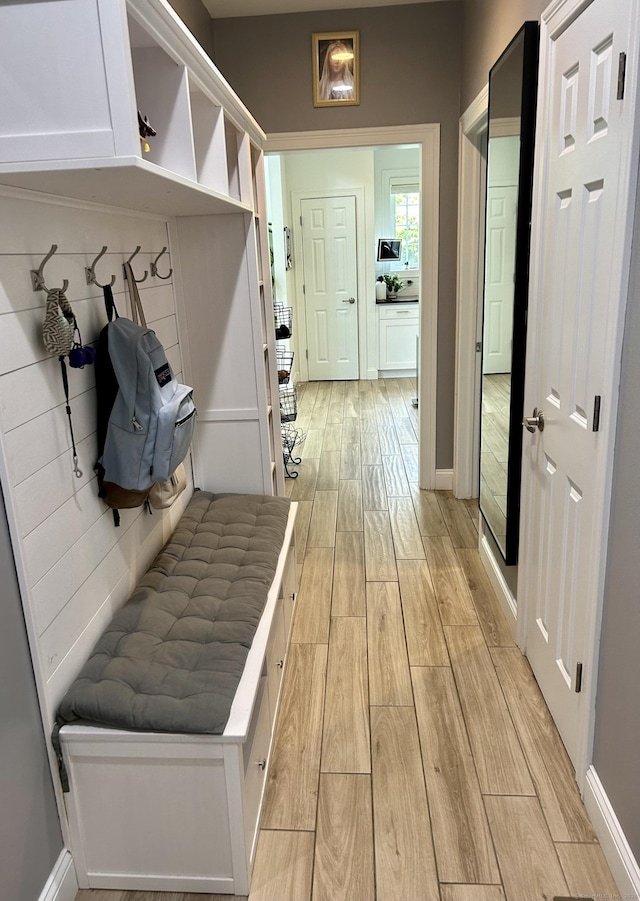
(494, 450)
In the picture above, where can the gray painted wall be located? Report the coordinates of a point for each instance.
(30, 837)
(197, 19)
(617, 735)
(488, 26)
(410, 74)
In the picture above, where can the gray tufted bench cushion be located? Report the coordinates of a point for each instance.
(172, 657)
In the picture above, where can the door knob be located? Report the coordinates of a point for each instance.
(531, 423)
(351, 300)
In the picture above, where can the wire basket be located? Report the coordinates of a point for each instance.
(283, 321)
(291, 438)
(284, 360)
(288, 403)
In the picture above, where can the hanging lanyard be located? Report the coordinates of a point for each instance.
(65, 382)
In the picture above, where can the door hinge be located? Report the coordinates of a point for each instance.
(578, 685)
(596, 413)
(300, 221)
(304, 289)
(622, 72)
(478, 346)
(307, 353)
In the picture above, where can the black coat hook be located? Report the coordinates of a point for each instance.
(154, 266)
(90, 272)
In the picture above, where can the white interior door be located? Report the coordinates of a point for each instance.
(577, 293)
(330, 286)
(499, 275)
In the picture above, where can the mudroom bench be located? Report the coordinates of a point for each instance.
(165, 735)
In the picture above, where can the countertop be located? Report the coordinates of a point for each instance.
(402, 298)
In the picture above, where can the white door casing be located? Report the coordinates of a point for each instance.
(427, 136)
(583, 204)
(330, 286)
(472, 163)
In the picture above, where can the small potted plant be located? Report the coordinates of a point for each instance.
(394, 284)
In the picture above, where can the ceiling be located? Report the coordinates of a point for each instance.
(224, 9)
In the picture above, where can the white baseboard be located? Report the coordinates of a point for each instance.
(397, 373)
(62, 884)
(499, 584)
(444, 479)
(620, 858)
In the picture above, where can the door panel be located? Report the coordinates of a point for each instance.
(330, 278)
(322, 337)
(500, 256)
(574, 307)
(342, 336)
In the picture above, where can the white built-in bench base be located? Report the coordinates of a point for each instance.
(163, 812)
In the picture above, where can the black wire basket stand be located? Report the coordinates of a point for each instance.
(291, 438)
(284, 361)
(288, 403)
(283, 317)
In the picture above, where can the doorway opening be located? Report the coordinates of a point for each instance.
(328, 168)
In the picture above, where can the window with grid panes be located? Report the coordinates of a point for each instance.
(405, 214)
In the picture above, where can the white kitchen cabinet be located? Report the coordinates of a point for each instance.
(398, 331)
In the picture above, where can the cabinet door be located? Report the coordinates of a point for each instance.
(289, 588)
(276, 649)
(398, 343)
(255, 754)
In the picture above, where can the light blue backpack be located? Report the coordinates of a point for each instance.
(145, 430)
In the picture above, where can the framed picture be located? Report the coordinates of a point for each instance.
(336, 65)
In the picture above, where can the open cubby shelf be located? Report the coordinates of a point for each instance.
(85, 144)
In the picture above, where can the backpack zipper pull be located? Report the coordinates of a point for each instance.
(136, 425)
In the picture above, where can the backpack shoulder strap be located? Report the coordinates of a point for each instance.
(109, 303)
(137, 313)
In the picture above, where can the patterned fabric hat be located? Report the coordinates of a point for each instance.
(59, 323)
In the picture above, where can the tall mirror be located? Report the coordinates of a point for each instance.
(512, 107)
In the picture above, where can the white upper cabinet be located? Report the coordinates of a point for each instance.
(76, 73)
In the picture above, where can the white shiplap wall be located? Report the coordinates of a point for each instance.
(75, 568)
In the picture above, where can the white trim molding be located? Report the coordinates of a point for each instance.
(471, 174)
(507, 127)
(505, 597)
(444, 479)
(622, 863)
(62, 884)
(345, 137)
(428, 137)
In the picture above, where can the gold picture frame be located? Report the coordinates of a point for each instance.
(336, 68)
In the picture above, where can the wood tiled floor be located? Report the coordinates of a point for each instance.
(414, 756)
